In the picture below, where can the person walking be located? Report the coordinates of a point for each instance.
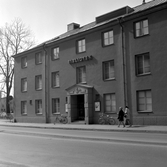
(121, 117)
(127, 116)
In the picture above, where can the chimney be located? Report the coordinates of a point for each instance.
(72, 26)
(144, 2)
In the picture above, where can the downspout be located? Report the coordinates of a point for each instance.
(47, 116)
(123, 58)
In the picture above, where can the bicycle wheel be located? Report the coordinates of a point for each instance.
(111, 121)
(65, 120)
(101, 121)
(10, 117)
(55, 121)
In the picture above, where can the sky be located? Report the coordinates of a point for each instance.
(49, 18)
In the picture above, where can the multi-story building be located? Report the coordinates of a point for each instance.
(117, 60)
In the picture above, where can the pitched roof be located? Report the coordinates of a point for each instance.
(148, 5)
(89, 26)
(95, 24)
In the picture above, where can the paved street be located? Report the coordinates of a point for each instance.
(108, 136)
(34, 151)
(41, 147)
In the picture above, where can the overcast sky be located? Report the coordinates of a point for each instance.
(49, 18)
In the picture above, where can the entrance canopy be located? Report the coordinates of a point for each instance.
(79, 101)
(79, 89)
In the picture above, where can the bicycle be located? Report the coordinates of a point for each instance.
(7, 116)
(106, 119)
(61, 119)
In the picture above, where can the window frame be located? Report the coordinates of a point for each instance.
(38, 102)
(53, 57)
(23, 86)
(38, 58)
(144, 66)
(141, 30)
(146, 110)
(112, 111)
(24, 63)
(104, 70)
(103, 38)
(54, 79)
(55, 102)
(23, 107)
(83, 47)
(38, 78)
(80, 78)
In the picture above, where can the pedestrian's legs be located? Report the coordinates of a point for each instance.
(123, 124)
(119, 123)
(125, 121)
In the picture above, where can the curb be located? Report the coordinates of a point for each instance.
(85, 138)
(90, 129)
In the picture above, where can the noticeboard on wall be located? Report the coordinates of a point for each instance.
(97, 106)
(66, 108)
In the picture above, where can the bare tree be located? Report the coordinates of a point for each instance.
(14, 38)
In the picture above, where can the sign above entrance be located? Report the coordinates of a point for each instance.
(78, 90)
(80, 59)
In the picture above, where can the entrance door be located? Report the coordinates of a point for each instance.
(80, 107)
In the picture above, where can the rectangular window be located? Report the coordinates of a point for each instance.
(55, 105)
(38, 82)
(143, 64)
(110, 103)
(38, 58)
(23, 62)
(108, 38)
(24, 84)
(55, 79)
(81, 74)
(23, 107)
(55, 53)
(108, 70)
(144, 101)
(141, 28)
(81, 46)
(38, 106)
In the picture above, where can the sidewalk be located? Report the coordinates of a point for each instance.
(92, 127)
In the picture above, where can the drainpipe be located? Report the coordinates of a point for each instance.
(123, 58)
(47, 116)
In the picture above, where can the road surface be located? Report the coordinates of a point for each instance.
(27, 150)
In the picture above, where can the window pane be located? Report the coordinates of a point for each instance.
(81, 74)
(109, 70)
(81, 46)
(24, 107)
(56, 105)
(55, 53)
(143, 64)
(108, 38)
(24, 62)
(38, 107)
(23, 84)
(144, 101)
(110, 103)
(55, 79)
(38, 80)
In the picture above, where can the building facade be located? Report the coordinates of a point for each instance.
(117, 60)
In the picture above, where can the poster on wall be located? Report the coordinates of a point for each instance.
(66, 108)
(97, 106)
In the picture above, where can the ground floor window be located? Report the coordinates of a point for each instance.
(110, 103)
(55, 105)
(144, 101)
(38, 106)
(23, 107)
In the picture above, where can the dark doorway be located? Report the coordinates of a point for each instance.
(80, 107)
